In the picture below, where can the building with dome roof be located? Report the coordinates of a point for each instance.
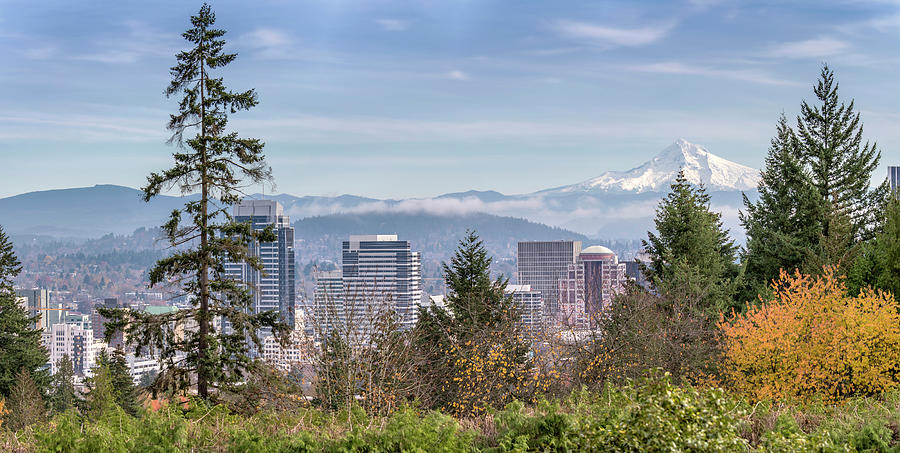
(589, 285)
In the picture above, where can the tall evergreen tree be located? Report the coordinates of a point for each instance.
(478, 312)
(689, 233)
(878, 265)
(473, 298)
(216, 163)
(838, 247)
(62, 393)
(122, 382)
(785, 222)
(26, 403)
(20, 341)
(840, 164)
(100, 398)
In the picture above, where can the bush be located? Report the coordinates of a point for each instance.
(812, 340)
(653, 415)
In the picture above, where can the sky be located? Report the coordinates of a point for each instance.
(396, 99)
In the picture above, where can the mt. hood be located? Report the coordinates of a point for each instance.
(657, 174)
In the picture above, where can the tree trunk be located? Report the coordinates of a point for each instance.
(203, 318)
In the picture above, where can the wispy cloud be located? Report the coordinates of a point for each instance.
(811, 48)
(552, 51)
(275, 44)
(79, 128)
(267, 43)
(265, 37)
(360, 129)
(392, 24)
(140, 41)
(456, 74)
(745, 75)
(610, 35)
(40, 53)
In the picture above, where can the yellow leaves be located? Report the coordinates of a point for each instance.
(812, 338)
(3, 410)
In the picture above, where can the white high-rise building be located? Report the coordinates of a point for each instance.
(380, 272)
(530, 305)
(74, 341)
(273, 287)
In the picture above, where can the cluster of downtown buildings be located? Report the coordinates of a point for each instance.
(559, 284)
(81, 336)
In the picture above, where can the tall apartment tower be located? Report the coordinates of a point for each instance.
(541, 264)
(894, 177)
(273, 287)
(380, 272)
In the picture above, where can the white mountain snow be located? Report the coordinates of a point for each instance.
(657, 174)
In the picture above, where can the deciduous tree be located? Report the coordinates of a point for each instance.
(811, 339)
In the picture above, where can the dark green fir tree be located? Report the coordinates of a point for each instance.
(786, 220)
(473, 298)
(878, 264)
(127, 395)
(215, 164)
(20, 340)
(690, 238)
(840, 163)
(62, 391)
(477, 311)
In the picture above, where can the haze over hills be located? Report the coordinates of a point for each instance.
(616, 204)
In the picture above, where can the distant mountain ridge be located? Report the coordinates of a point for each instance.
(616, 204)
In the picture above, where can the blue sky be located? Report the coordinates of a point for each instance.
(416, 98)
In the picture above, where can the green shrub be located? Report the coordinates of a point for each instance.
(408, 431)
(653, 415)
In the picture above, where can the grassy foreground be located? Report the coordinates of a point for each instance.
(647, 416)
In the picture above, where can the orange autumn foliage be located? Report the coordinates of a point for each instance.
(813, 340)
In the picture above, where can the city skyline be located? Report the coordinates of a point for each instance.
(564, 91)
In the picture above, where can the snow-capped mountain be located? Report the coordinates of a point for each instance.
(617, 204)
(655, 175)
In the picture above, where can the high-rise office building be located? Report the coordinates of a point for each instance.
(98, 322)
(589, 286)
(894, 177)
(541, 264)
(380, 272)
(38, 304)
(273, 287)
(604, 277)
(328, 303)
